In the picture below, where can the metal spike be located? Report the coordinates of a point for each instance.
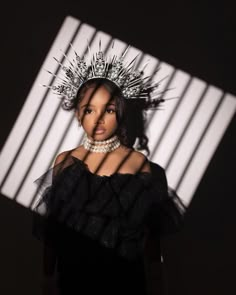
(71, 70)
(113, 43)
(132, 63)
(58, 62)
(67, 58)
(72, 47)
(100, 44)
(54, 75)
(125, 52)
(162, 79)
(169, 98)
(145, 65)
(43, 85)
(88, 47)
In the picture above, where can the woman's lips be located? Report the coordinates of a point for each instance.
(99, 130)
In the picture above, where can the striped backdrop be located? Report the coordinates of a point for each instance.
(182, 137)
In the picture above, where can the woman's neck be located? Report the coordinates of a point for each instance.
(101, 146)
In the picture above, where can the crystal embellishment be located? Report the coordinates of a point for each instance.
(131, 82)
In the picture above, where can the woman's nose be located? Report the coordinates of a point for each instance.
(100, 117)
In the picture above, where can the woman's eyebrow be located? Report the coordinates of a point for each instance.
(91, 105)
(110, 104)
(86, 105)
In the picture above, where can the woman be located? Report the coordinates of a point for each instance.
(108, 204)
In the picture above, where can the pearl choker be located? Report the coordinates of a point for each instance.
(101, 146)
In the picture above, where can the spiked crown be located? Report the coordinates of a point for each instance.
(131, 82)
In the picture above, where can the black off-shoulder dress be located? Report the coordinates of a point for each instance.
(98, 225)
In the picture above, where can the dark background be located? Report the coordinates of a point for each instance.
(193, 36)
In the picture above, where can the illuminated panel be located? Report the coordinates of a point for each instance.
(208, 145)
(183, 136)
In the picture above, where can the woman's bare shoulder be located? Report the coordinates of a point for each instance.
(66, 154)
(138, 160)
(141, 162)
(61, 157)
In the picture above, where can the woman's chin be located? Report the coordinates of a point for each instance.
(100, 136)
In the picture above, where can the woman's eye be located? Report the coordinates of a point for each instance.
(87, 111)
(110, 111)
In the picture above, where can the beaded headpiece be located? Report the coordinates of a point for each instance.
(131, 82)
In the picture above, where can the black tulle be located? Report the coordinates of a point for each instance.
(98, 224)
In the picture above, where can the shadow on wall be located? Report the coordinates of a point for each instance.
(20, 253)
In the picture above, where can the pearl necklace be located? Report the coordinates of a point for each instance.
(101, 146)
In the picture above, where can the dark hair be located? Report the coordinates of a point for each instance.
(129, 114)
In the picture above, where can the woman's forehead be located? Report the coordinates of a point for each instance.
(97, 96)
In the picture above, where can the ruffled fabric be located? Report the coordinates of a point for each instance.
(116, 211)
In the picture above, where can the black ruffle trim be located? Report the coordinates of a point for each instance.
(115, 210)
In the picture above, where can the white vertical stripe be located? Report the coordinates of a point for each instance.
(32, 142)
(32, 101)
(207, 148)
(58, 128)
(180, 118)
(41, 125)
(161, 117)
(192, 135)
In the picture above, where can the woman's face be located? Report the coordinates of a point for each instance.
(97, 113)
